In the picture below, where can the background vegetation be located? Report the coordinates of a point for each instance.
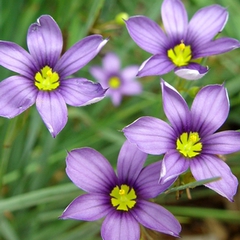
(33, 185)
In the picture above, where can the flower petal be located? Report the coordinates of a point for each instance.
(147, 34)
(129, 73)
(151, 135)
(155, 217)
(119, 226)
(130, 163)
(116, 97)
(175, 20)
(90, 171)
(222, 142)
(79, 55)
(155, 65)
(193, 71)
(218, 46)
(16, 59)
(131, 88)
(210, 109)
(45, 42)
(88, 207)
(175, 108)
(53, 110)
(209, 21)
(80, 91)
(147, 185)
(173, 164)
(100, 75)
(111, 63)
(209, 166)
(16, 95)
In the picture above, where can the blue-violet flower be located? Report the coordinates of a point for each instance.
(184, 44)
(124, 199)
(43, 74)
(190, 140)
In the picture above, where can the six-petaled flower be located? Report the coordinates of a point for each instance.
(43, 74)
(118, 81)
(184, 43)
(190, 140)
(123, 199)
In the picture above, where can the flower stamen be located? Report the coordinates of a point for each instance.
(114, 82)
(46, 80)
(189, 144)
(124, 198)
(180, 54)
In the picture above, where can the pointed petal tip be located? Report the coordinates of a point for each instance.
(104, 41)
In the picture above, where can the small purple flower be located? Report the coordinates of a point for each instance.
(43, 74)
(184, 43)
(122, 199)
(191, 140)
(119, 82)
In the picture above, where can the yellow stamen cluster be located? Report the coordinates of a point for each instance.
(123, 198)
(46, 80)
(180, 54)
(114, 82)
(189, 145)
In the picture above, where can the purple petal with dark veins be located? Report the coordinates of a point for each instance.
(151, 135)
(147, 184)
(175, 108)
(16, 95)
(120, 226)
(218, 46)
(90, 171)
(175, 20)
(44, 40)
(209, 166)
(225, 142)
(209, 109)
(130, 163)
(15, 58)
(147, 34)
(173, 165)
(88, 207)
(80, 91)
(79, 55)
(155, 217)
(155, 65)
(53, 110)
(209, 21)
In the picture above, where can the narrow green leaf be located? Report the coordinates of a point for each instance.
(193, 184)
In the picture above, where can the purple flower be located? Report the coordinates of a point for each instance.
(191, 140)
(122, 199)
(119, 82)
(184, 43)
(43, 74)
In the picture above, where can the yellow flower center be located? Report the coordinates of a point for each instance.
(180, 54)
(46, 80)
(114, 82)
(189, 144)
(123, 198)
